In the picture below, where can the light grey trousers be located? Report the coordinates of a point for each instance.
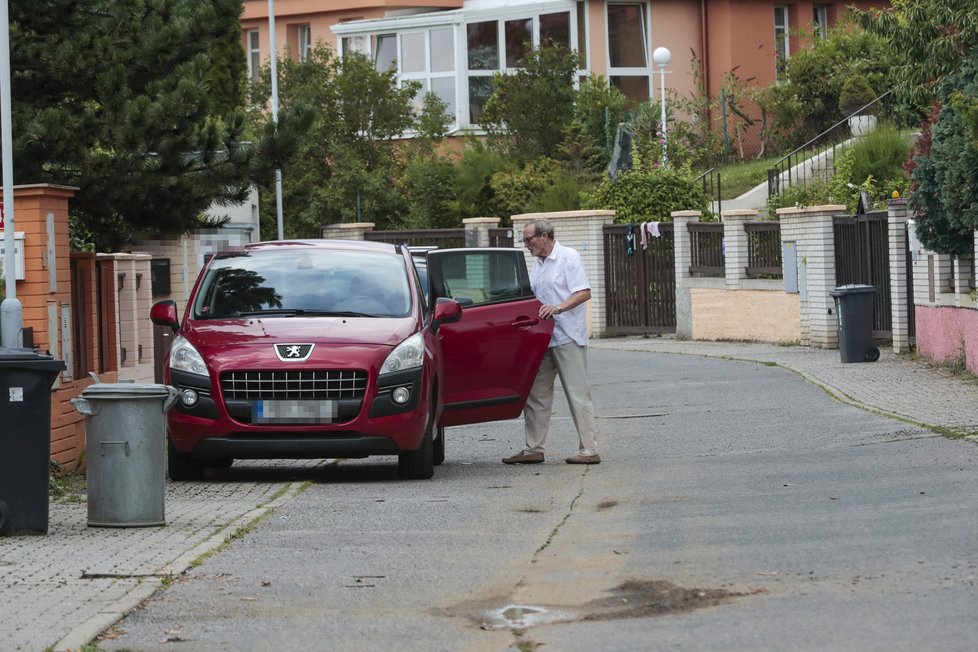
(569, 361)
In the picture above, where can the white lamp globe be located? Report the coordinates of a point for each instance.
(661, 56)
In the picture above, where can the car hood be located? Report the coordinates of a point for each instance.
(341, 331)
(342, 342)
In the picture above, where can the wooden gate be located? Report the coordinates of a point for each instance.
(862, 256)
(640, 286)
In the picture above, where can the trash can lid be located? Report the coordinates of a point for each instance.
(28, 359)
(124, 390)
(851, 289)
(21, 353)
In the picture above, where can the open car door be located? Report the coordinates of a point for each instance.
(491, 357)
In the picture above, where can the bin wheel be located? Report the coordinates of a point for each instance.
(181, 467)
(872, 354)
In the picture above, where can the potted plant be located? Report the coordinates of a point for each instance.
(856, 94)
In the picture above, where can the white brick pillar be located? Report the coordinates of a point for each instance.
(812, 229)
(943, 273)
(477, 230)
(901, 292)
(583, 231)
(735, 245)
(961, 277)
(346, 231)
(681, 254)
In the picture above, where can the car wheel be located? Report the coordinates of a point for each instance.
(419, 464)
(439, 446)
(181, 467)
(219, 463)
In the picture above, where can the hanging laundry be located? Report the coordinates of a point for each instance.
(648, 230)
(630, 239)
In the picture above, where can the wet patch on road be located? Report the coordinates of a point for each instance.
(607, 504)
(631, 599)
(645, 598)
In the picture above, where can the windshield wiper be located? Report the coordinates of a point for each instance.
(299, 312)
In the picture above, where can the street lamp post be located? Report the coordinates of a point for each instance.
(274, 72)
(12, 330)
(661, 57)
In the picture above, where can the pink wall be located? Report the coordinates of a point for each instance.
(944, 333)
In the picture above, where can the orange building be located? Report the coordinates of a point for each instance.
(453, 46)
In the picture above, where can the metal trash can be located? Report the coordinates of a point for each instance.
(126, 449)
(26, 378)
(854, 308)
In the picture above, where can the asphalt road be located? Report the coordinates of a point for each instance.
(737, 507)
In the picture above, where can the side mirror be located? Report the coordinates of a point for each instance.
(447, 311)
(164, 313)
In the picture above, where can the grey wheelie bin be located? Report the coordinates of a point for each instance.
(26, 378)
(126, 449)
(854, 308)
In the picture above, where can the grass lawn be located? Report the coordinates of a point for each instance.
(738, 177)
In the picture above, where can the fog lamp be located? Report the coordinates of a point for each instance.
(401, 395)
(189, 397)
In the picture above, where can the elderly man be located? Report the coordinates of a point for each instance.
(560, 283)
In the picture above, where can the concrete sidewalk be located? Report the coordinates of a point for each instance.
(61, 590)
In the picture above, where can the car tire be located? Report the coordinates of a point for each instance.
(438, 453)
(181, 467)
(219, 463)
(419, 464)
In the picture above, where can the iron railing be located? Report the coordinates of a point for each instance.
(710, 181)
(706, 249)
(783, 173)
(764, 250)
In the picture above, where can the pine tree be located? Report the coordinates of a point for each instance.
(137, 103)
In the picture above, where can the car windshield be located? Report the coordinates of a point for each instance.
(309, 282)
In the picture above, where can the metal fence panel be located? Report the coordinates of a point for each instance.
(641, 286)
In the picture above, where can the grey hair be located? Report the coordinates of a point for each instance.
(541, 226)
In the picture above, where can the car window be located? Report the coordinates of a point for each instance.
(305, 282)
(479, 277)
(421, 265)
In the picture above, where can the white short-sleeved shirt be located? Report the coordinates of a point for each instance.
(553, 280)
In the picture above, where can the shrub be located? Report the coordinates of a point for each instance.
(428, 188)
(880, 155)
(946, 196)
(542, 186)
(598, 110)
(643, 195)
(856, 93)
(476, 197)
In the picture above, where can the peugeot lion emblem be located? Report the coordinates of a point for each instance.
(293, 352)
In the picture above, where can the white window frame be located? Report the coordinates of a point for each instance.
(254, 54)
(458, 21)
(820, 18)
(781, 38)
(305, 41)
(425, 76)
(647, 50)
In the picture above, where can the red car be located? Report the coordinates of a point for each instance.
(329, 349)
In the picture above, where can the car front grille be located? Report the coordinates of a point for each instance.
(317, 384)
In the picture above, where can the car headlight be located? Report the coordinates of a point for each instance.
(406, 355)
(184, 357)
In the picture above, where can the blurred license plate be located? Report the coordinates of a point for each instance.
(294, 412)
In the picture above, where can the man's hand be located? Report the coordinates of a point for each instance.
(548, 311)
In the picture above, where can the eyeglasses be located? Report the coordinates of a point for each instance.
(527, 240)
